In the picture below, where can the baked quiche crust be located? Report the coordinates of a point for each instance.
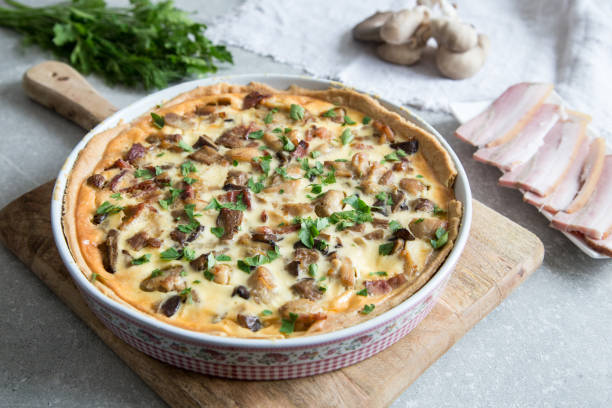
(189, 242)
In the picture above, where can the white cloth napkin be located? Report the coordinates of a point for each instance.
(568, 43)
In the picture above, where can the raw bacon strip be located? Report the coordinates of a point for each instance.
(506, 116)
(564, 193)
(594, 219)
(603, 246)
(526, 143)
(590, 174)
(548, 166)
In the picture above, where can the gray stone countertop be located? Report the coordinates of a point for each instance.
(547, 345)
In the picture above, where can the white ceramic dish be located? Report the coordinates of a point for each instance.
(465, 111)
(254, 358)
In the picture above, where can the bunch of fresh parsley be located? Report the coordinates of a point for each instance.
(148, 44)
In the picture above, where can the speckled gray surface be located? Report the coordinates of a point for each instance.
(547, 345)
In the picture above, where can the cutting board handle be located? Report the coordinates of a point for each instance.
(61, 88)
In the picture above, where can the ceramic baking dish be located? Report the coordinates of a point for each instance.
(257, 359)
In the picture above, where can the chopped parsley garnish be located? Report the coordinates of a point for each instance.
(256, 187)
(438, 211)
(170, 254)
(158, 121)
(288, 325)
(183, 273)
(341, 160)
(174, 194)
(185, 146)
(94, 276)
(189, 254)
(379, 273)
(281, 191)
(395, 156)
(330, 113)
(330, 178)
(235, 163)
(186, 292)
(296, 112)
(270, 116)
(346, 137)
(312, 269)
(209, 275)
(216, 205)
(315, 153)
(189, 180)
(264, 163)
(316, 188)
(218, 231)
(314, 171)
(419, 176)
(348, 120)
(160, 154)
(223, 257)
(367, 309)
(195, 282)
(143, 259)
(394, 226)
(256, 135)
(310, 229)
(419, 220)
(363, 292)
(266, 312)
(143, 173)
(188, 167)
(353, 216)
(385, 198)
(441, 238)
(108, 208)
(188, 228)
(283, 172)
(322, 289)
(385, 249)
(155, 273)
(366, 120)
(247, 263)
(357, 203)
(116, 196)
(288, 145)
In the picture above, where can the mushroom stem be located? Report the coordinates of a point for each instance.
(465, 64)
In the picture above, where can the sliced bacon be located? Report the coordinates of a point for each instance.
(526, 143)
(603, 246)
(595, 218)
(566, 190)
(253, 99)
(506, 116)
(591, 172)
(546, 169)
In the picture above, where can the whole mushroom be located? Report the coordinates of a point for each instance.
(404, 35)
(461, 65)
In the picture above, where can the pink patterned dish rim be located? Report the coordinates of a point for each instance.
(258, 359)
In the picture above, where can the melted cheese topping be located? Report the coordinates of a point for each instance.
(356, 165)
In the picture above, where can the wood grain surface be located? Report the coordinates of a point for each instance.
(498, 257)
(60, 87)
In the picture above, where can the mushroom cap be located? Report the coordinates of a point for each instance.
(401, 54)
(453, 34)
(463, 65)
(369, 29)
(400, 27)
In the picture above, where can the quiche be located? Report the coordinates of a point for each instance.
(251, 212)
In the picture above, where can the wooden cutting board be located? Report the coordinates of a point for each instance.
(498, 257)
